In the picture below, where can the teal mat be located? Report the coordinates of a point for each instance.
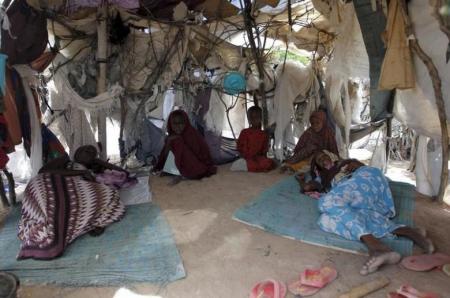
(282, 210)
(140, 248)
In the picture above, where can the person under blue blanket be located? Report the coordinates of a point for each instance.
(358, 205)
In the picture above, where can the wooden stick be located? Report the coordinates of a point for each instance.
(102, 52)
(437, 87)
(366, 288)
(256, 52)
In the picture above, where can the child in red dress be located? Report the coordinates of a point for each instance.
(253, 143)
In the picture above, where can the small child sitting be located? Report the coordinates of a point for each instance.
(253, 145)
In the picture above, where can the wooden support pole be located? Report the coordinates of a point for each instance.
(437, 87)
(102, 52)
(256, 52)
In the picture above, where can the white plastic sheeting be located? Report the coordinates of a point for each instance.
(416, 107)
(29, 78)
(74, 125)
(428, 166)
(294, 81)
(350, 60)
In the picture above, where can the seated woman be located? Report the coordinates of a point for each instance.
(253, 144)
(359, 206)
(186, 148)
(64, 202)
(319, 136)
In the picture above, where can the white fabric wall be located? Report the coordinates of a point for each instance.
(349, 60)
(416, 108)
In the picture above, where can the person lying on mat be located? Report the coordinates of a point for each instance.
(64, 202)
(86, 163)
(185, 152)
(319, 136)
(358, 205)
(253, 144)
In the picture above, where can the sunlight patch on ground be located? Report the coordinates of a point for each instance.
(189, 225)
(235, 245)
(126, 293)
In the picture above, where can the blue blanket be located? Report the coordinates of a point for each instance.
(140, 248)
(283, 210)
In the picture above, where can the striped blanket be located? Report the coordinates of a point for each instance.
(57, 209)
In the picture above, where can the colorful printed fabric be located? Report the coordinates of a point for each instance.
(57, 209)
(358, 206)
(253, 145)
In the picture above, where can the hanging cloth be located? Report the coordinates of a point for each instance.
(11, 112)
(397, 70)
(28, 76)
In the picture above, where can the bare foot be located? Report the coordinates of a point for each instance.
(377, 260)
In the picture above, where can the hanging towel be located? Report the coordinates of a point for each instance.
(397, 70)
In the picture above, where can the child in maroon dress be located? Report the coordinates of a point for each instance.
(192, 157)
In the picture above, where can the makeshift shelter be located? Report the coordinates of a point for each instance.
(133, 61)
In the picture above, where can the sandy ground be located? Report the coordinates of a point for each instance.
(225, 258)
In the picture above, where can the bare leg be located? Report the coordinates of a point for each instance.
(418, 236)
(380, 254)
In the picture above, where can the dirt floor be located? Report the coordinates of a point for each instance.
(225, 258)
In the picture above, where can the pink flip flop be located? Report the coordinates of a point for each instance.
(406, 291)
(269, 289)
(425, 262)
(312, 280)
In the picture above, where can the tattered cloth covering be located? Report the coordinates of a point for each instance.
(397, 70)
(144, 54)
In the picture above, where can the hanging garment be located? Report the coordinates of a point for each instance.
(253, 145)
(30, 118)
(11, 112)
(192, 156)
(397, 70)
(28, 36)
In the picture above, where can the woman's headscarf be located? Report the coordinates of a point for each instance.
(311, 141)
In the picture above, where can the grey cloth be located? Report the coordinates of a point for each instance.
(151, 142)
(239, 165)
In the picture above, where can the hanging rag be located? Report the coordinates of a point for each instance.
(11, 112)
(28, 78)
(397, 70)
